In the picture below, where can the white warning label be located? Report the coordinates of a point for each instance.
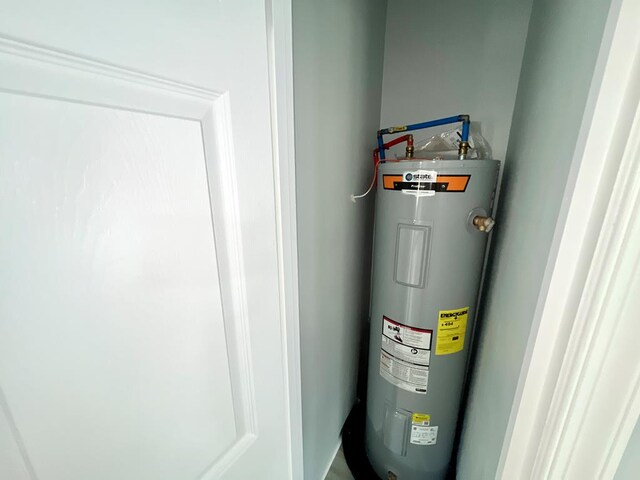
(405, 335)
(424, 435)
(418, 356)
(405, 375)
(405, 353)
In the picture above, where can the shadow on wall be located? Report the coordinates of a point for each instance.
(338, 52)
(562, 45)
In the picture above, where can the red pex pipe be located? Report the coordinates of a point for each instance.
(376, 153)
(376, 160)
(408, 138)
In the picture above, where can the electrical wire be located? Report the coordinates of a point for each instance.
(376, 161)
(373, 183)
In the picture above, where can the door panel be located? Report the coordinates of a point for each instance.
(139, 315)
(110, 265)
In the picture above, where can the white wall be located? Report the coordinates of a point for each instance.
(560, 55)
(459, 56)
(338, 50)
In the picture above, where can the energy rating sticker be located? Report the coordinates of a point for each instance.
(452, 326)
(422, 433)
(421, 419)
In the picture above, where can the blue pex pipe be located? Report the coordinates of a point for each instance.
(380, 145)
(465, 131)
(419, 126)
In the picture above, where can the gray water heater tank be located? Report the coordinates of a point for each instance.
(431, 225)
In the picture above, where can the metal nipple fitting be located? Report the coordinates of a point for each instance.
(462, 150)
(409, 150)
(484, 224)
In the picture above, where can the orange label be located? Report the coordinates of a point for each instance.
(444, 183)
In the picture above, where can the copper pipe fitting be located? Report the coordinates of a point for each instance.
(484, 224)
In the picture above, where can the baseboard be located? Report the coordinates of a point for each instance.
(333, 457)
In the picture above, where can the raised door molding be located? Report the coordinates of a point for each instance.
(38, 72)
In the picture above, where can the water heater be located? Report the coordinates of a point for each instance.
(431, 223)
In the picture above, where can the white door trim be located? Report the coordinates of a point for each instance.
(280, 45)
(578, 397)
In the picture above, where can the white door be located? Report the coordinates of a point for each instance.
(140, 325)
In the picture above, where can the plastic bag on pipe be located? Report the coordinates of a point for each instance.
(445, 145)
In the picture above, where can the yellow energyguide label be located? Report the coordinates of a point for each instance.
(421, 419)
(452, 325)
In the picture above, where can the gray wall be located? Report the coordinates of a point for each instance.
(629, 468)
(560, 55)
(338, 50)
(459, 56)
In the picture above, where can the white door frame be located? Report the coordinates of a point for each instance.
(280, 49)
(74, 78)
(578, 398)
